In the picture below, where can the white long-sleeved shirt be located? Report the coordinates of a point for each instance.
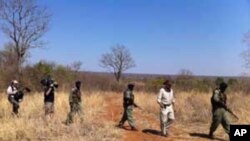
(165, 97)
(11, 90)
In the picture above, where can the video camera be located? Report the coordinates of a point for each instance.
(19, 95)
(48, 82)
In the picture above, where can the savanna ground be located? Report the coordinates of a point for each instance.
(103, 110)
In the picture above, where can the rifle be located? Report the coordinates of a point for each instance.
(231, 112)
(26, 89)
(136, 106)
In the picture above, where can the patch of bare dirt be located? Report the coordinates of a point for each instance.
(149, 128)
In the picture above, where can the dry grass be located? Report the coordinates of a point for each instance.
(32, 125)
(192, 109)
(196, 107)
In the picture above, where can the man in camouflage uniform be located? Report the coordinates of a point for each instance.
(219, 110)
(74, 102)
(128, 104)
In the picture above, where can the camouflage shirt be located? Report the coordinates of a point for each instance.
(218, 100)
(128, 98)
(75, 95)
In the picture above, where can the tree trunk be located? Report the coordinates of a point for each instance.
(118, 76)
(19, 67)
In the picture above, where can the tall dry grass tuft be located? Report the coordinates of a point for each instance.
(33, 126)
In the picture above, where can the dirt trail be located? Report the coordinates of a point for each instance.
(148, 125)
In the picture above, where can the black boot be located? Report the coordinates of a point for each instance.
(134, 129)
(211, 135)
(120, 125)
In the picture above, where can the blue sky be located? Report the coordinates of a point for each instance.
(163, 36)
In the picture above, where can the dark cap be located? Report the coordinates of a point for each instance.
(167, 84)
(223, 86)
(130, 85)
(78, 82)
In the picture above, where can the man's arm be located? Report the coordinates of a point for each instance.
(11, 91)
(159, 98)
(127, 98)
(48, 91)
(78, 92)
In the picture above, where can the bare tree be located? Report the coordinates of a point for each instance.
(24, 23)
(246, 53)
(7, 65)
(7, 59)
(76, 66)
(185, 74)
(246, 56)
(117, 61)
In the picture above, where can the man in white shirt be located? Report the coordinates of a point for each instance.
(166, 100)
(12, 91)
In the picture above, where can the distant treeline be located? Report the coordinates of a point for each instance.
(66, 75)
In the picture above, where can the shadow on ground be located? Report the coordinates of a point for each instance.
(152, 131)
(127, 128)
(202, 135)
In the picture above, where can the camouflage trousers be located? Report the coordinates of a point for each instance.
(127, 116)
(220, 116)
(75, 108)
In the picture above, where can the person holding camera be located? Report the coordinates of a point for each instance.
(15, 95)
(12, 90)
(49, 95)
